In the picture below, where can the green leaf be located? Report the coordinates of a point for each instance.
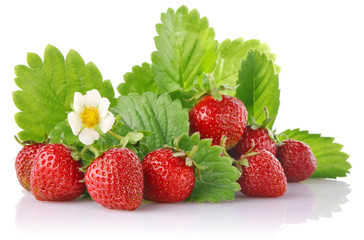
(331, 161)
(62, 133)
(166, 119)
(47, 90)
(230, 56)
(34, 61)
(140, 80)
(218, 179)
(185, 49)
(258, 86)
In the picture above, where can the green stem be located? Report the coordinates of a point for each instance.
(93, 150)
(115, 135)
(18, 141)
(84, 149)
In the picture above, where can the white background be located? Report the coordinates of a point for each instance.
(319, 45)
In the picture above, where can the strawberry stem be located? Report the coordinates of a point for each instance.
(115, 135)
(223, 143)
(93, 150)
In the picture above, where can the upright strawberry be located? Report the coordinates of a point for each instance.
(167, 178)
(115, 179)
(216, 115)
(24, 162)
(264, 177)
(297, 160)
(215, 119)
(55, 175)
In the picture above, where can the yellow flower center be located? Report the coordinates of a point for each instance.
(90, 117)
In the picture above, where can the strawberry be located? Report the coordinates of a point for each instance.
(55, 175)
(297, 160)
(24, 162)
(264, 177)
(254, 139)
(167, 178)
(115, 179)
(215, 119)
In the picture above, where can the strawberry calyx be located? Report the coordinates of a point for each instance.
(271, 133)
(89, 152)
(243, 161)
(204, 85)
(187, 156)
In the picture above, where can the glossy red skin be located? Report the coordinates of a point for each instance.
(264, 177)
(167, 179)
(115, 179)
(24, 162)
(297, 160)
(56, 175)
(259, 138)
(215, 119)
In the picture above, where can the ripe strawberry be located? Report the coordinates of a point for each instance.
(24, 162)
(167, 179)
(215, 119)
(264, 177)
(259, 138)
(115, 179)
(297, 160)
(55, 175)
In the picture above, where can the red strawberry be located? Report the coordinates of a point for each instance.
(167, 178)
(115, 179)
(24, 162)
(56, 175)
(297, 160)
(215, 119)
(264, 177)
(259, 138)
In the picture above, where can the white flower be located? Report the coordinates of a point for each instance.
(89, 116)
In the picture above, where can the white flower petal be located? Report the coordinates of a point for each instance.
(92, 98)
(78, 102)
(88, 136)
(75, 122)
(103, 107)
(106, 122)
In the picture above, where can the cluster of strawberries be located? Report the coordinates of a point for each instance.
(266, 164)
(118, 179)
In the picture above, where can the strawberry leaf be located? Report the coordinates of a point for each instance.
(185, 49)
(229, 60)
(47, 90)
(166, 119)
(62, 133)
(259, 86)
(217, 173)
(331, 161)
(140, 80)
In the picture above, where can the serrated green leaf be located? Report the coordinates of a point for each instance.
(140, 80)
(331, 161)
(218, 179)
(166, 119)
(47, 90)
(230, 56)
(258, 86)
(185, 49)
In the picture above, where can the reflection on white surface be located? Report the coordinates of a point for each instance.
(312, 199)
